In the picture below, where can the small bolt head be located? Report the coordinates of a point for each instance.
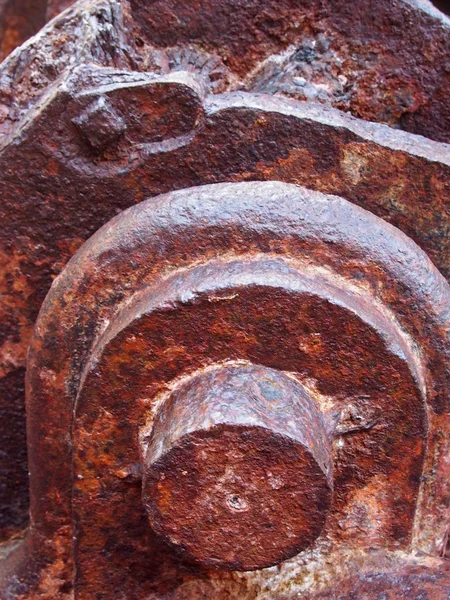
(100, 125)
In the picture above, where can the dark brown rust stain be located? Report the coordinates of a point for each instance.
(14, 473)
(442, 5)
(352, 360)
(19, 20)
(54, 7)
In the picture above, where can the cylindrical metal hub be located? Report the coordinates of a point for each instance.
(238, 468)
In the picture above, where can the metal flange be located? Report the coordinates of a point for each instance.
(272, 275)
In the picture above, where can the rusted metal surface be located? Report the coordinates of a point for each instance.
(397, 581)
(117, 102)
(21, 19)
(382, 60)
(268, 274)
(51, 174)
(238, 470)
(54, 7)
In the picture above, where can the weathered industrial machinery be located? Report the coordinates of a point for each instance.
(225, 301)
